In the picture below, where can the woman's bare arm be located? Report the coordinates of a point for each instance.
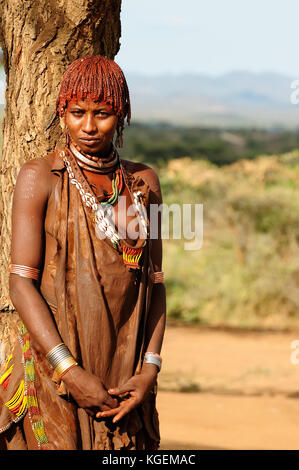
(27, 248)
(155, 326)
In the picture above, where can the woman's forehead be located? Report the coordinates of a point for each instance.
(89, 104)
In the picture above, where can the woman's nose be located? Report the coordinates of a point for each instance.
(89, 124)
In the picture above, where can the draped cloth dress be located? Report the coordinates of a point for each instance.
(100, 308)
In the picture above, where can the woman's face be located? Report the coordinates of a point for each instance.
(91, 125)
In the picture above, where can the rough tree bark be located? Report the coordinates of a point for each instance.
(38, 40)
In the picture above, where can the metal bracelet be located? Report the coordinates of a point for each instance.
(65, 365)
(157, 277)
(153, 354)
(153, 359)
(25, 271)
(58, 354)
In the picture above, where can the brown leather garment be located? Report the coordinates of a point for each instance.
(100, 309)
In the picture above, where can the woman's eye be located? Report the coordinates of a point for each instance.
(77, 113)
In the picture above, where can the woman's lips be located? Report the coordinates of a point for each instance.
(89, 141)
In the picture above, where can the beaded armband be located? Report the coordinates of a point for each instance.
(157, 277)
(25, 271)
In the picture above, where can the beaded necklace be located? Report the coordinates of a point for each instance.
(117, 186)
(102, 211)
(117, 181)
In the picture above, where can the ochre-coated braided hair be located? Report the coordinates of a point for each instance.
(98, 79)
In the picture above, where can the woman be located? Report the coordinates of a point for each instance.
(87, 281)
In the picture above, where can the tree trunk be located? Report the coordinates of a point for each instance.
(38, 40)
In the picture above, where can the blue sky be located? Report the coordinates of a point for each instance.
(210, 36)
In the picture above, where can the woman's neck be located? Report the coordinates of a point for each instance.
(93, 163)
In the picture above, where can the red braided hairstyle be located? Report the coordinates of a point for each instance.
(96, 78)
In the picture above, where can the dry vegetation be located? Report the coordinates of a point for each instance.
(247, 272)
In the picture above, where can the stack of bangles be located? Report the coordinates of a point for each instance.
(157, 277)
(61, 359)
(25, 271)
(153, 358)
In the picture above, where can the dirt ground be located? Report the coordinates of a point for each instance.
(228, 390)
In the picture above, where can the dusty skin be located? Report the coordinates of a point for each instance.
(241, 390)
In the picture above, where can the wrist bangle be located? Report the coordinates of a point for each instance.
(65, 366)
(153, 358)
(61, 359)
(154, 354)
(52, 350)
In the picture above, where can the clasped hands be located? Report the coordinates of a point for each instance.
(90, 393)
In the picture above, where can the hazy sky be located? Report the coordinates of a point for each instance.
(210, 36)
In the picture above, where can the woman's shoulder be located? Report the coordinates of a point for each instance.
(146, 172)
(40, 164)
(36, 172)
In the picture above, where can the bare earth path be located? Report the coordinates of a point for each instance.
(228, 390)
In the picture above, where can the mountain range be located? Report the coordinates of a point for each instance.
(236, 99)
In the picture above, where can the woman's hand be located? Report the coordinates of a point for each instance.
(136, 388)
(88, 391)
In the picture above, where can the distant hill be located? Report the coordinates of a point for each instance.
(236, 99)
